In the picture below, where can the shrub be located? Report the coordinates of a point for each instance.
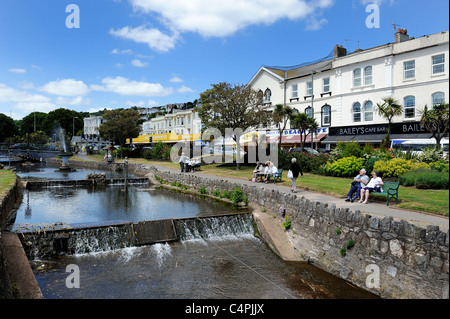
(237, 196)
(440, 166)
(287, 223)
(202, 190)
(431, 154)
(226, 194)
(424, 178)
(396, 167)
(347, 166)
(216, 193)
(308, 162)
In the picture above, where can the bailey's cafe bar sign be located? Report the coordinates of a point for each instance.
(375, 133)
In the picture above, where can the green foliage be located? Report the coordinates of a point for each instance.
(216, 193)
(396, 167)
(343, 252)
(237, 196)
(338, 231)
(287, 223)
(226, 194)
(431, 154)
(308, 162)
(424, 178)
(350, 244)
(440, 166)
(347, 166)
(202, 190)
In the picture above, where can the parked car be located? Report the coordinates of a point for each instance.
(308, 150)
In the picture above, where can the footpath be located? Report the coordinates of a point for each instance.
(374, 208)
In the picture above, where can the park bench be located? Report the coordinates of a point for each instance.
(390, 190)
(278, 176)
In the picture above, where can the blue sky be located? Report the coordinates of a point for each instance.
(156, 52)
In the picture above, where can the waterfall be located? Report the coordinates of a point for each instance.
(216, 228)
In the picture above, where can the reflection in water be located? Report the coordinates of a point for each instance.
(71, 205)
(43, 171)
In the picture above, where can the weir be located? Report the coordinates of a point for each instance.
(84, 182)
(51, 240)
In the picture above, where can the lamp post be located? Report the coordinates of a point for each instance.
(126, 173)
(312, 106)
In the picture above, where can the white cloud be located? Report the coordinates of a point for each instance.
(220, 18)
(139, 64)
(17, 71)
(138, 104)
(176, 79)
(314, 24)
(185, 89)
(8, 94)
(124, 86)
(126, 52)
(154, 38)
(66, 87)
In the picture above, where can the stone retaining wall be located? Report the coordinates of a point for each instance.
(391, 258)
(7, 205)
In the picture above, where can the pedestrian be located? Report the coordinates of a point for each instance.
(182, 160)
(358, 183)
(375, 185)
(296, 170)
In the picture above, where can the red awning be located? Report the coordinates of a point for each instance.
(294, 139)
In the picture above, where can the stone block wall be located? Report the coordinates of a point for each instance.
(391, 258)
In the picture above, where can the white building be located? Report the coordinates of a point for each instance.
(179, 121)
(342, 91)
(91, 125)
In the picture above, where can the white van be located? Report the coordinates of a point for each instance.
(417, 145)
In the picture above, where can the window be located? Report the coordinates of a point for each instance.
(438, 64)
(438, 98)
(326, 85)
(308, 111)
(356, 77)
(357, 112)
(267, 95)
(409, 68)
(326, 115)
(409, 103)
(295, 91)
(309, 88)
(368, 111)
(368, 75)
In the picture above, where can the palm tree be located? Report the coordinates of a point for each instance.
(436, 120)
(281, 115)
(305, 124)
(388, 110)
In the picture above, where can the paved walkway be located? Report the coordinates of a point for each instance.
(373, 208)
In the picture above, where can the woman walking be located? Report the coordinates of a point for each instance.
(295, 169)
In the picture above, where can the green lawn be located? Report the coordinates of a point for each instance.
(429, 201)
(7, 180)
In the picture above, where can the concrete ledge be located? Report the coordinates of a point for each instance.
(18, 268)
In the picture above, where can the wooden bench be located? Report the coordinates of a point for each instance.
(278, 176)
(390, 190)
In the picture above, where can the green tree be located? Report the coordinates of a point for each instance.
(306, 125)
(226, 106)
(436, 120)
(119, 125)
(63, 118)
(388, 110)
(8, 127)
(27, 124)
(281, 115)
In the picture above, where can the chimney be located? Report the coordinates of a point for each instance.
(401, 35)
(339, 51)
